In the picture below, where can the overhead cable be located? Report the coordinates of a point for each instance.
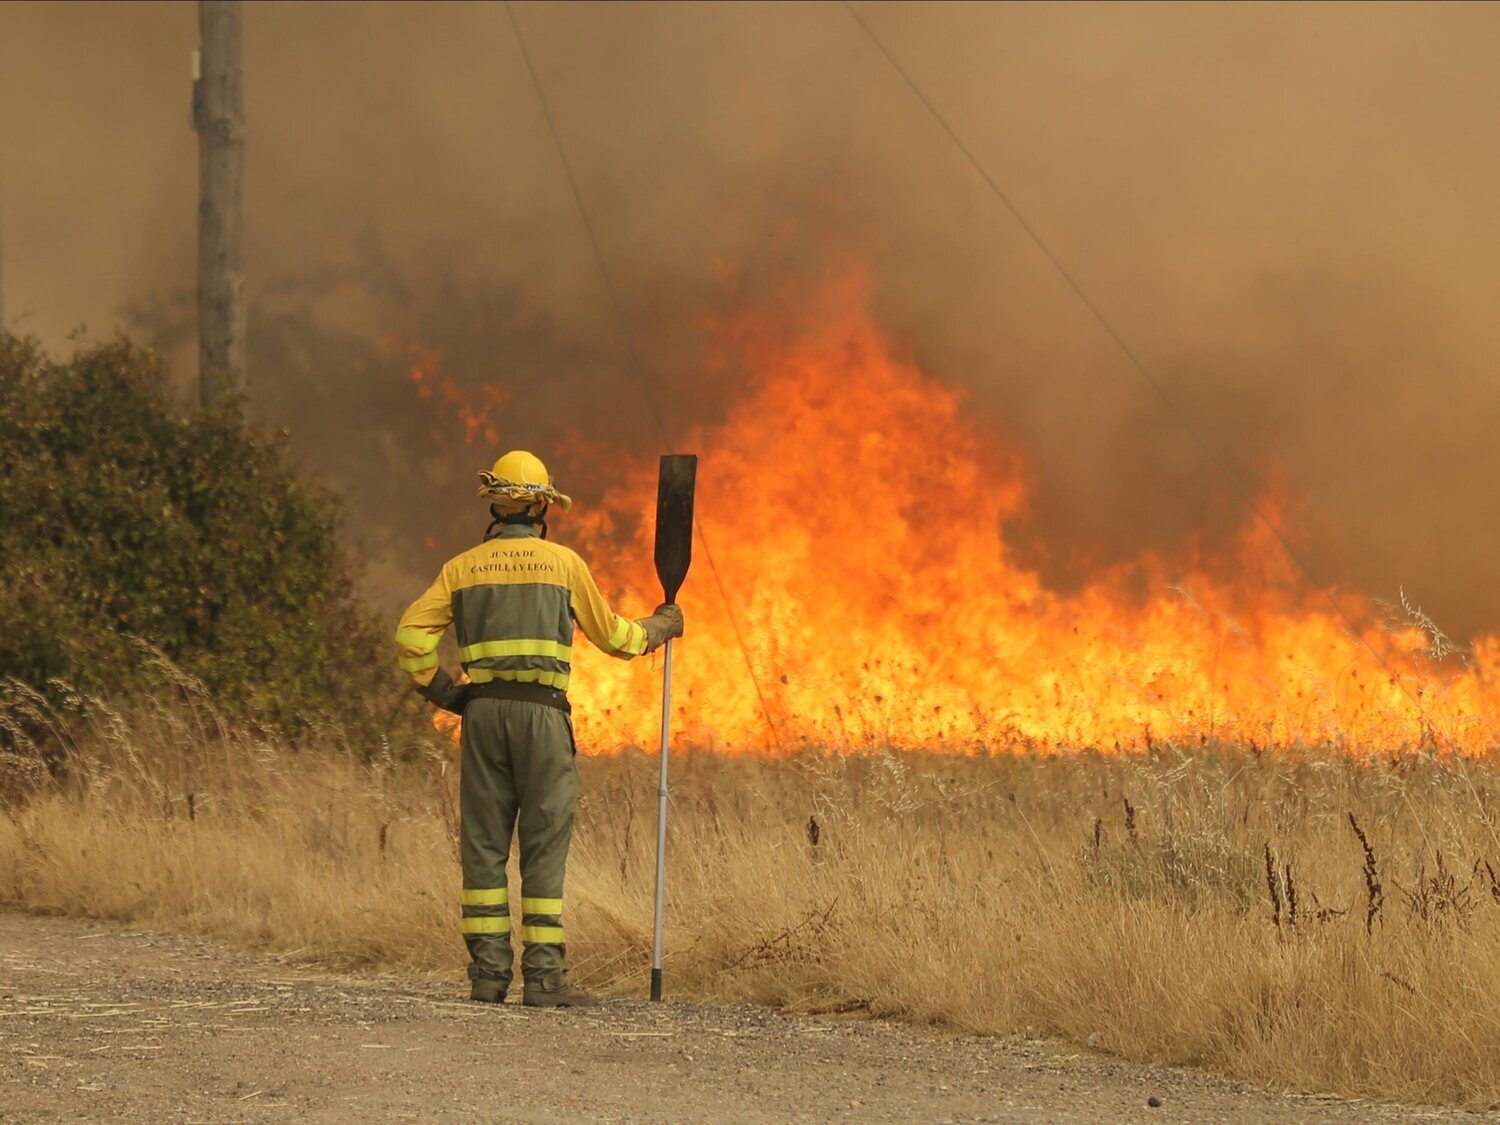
(637, 363)
(1130, 354)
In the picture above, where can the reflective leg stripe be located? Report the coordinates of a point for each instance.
(491, 924)
(543, 935)
(488, 896)
(486, 910)
(542, 921)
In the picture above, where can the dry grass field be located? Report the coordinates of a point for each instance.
(1304, 921)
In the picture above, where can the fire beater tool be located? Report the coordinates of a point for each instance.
(674, 553)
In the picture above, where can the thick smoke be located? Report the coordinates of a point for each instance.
(1286, 211)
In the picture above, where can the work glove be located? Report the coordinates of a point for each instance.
(443, 692)
(662, 625)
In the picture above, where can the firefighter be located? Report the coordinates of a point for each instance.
(513, 601)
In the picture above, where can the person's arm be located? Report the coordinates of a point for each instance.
(611, 633)
(417, 637)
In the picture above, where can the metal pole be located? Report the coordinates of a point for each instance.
(661, 831)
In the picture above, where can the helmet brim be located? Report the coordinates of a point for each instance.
(499, 491)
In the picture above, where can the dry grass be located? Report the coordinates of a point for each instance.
(1307, 922)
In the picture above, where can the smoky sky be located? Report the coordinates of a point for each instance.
(1286, 210)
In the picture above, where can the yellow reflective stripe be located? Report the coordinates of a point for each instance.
(419, 639)
(541, 905)
(638, 638)
(559, 680)
(629, 636)
(488, 896)
(419, 663)
(526, 647)
(549, 935)
(490, 925)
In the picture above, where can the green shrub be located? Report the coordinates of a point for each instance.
(125, 520)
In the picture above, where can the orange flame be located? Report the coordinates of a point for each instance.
(472, 407)
(856, 521)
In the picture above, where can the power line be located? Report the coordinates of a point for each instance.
(1129, 352)
(637, 363)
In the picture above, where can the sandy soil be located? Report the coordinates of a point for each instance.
(101, 1023)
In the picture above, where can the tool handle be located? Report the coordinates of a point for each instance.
(661, 828)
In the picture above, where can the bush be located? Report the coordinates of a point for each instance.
(124, 520)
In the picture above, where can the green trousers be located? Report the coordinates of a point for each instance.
(518, 765)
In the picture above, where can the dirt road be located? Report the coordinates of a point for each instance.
(100, 1023)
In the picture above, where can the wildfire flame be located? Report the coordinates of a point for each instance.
(474, 408)
(855, 522)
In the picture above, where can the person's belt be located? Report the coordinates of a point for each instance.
(522, 693)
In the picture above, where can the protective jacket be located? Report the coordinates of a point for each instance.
(513, 601)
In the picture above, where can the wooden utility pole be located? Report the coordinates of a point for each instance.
(219, 118)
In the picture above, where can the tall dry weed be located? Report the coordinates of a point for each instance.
(1307, 921)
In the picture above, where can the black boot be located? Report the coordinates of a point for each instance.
(488, 991)
(553, 991)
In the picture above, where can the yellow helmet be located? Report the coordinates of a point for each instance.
(519, 481)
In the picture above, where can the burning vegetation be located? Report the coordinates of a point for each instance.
(860, 588)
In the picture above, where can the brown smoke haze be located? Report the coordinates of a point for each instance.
(1288, 211)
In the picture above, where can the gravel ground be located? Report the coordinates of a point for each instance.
(101, 1023)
